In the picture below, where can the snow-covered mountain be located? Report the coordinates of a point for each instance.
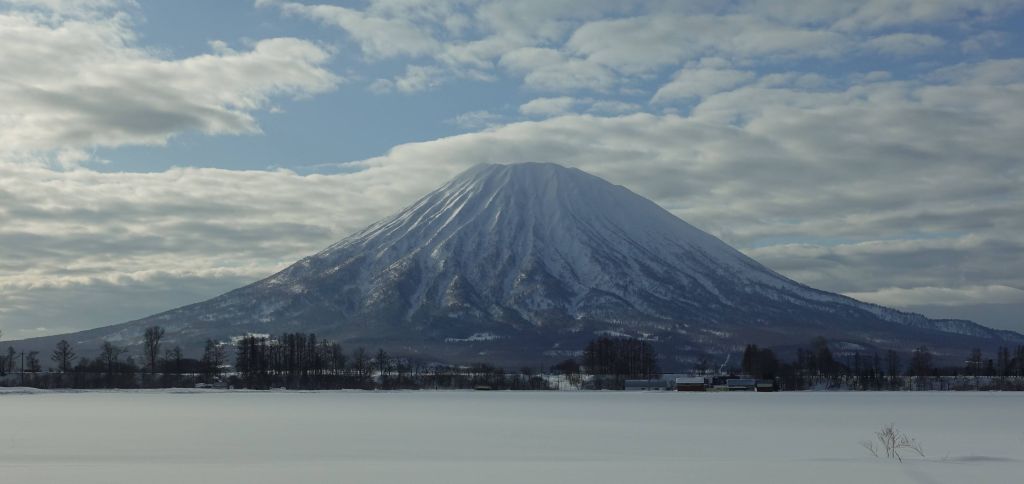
(519, 263)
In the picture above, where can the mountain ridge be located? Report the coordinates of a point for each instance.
(524, 262)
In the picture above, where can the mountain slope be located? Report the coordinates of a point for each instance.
(517, 263)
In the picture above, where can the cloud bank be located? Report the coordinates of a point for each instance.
(74, 79)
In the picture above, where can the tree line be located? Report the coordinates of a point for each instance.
(290, 360)
(301, 361)
(817, 366)
(304, 361)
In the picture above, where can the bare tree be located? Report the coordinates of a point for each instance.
(572, 371)
(110, 355)
(213, 357)
(174, 357)
(151, 345)
(621, 357)
(11, 353)
(383, 362)
(1003, 365)
(63, 355)
(3, 361)
(921, 361)
(870, 446)
(32, 364)
(823, 358)
(974, 362)
(361, 365)
(892, 363)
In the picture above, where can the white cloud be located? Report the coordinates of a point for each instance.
(378, 37)
(984, 41)
(639, 44)
(879, 14)
(613, 107)
(701, 82)
(598, 45)
(941, 296)
(865, 267)
(73, 8)
(382, 86)
(527, 59)
(548, 106)
(548, 69)
(987, 72)
(555, 106)
(74, 83)
(477, 119)
(904, 44)
(415, 79)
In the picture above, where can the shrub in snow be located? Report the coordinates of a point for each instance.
(892, 441)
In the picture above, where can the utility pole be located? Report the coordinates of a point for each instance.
(22, 368)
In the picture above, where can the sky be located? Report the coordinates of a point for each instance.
(156, 153)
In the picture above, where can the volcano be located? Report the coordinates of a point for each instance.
(525, 263)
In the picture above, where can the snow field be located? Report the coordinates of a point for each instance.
(502, 437)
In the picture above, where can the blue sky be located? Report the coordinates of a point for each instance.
(157, 153)
(348, 124)
(351, 123)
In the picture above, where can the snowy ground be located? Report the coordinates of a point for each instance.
(502, 437)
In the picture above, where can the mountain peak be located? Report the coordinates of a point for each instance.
(527, 167)
(528, 179)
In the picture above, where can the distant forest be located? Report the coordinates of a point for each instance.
(817, 367)
(303, 361)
